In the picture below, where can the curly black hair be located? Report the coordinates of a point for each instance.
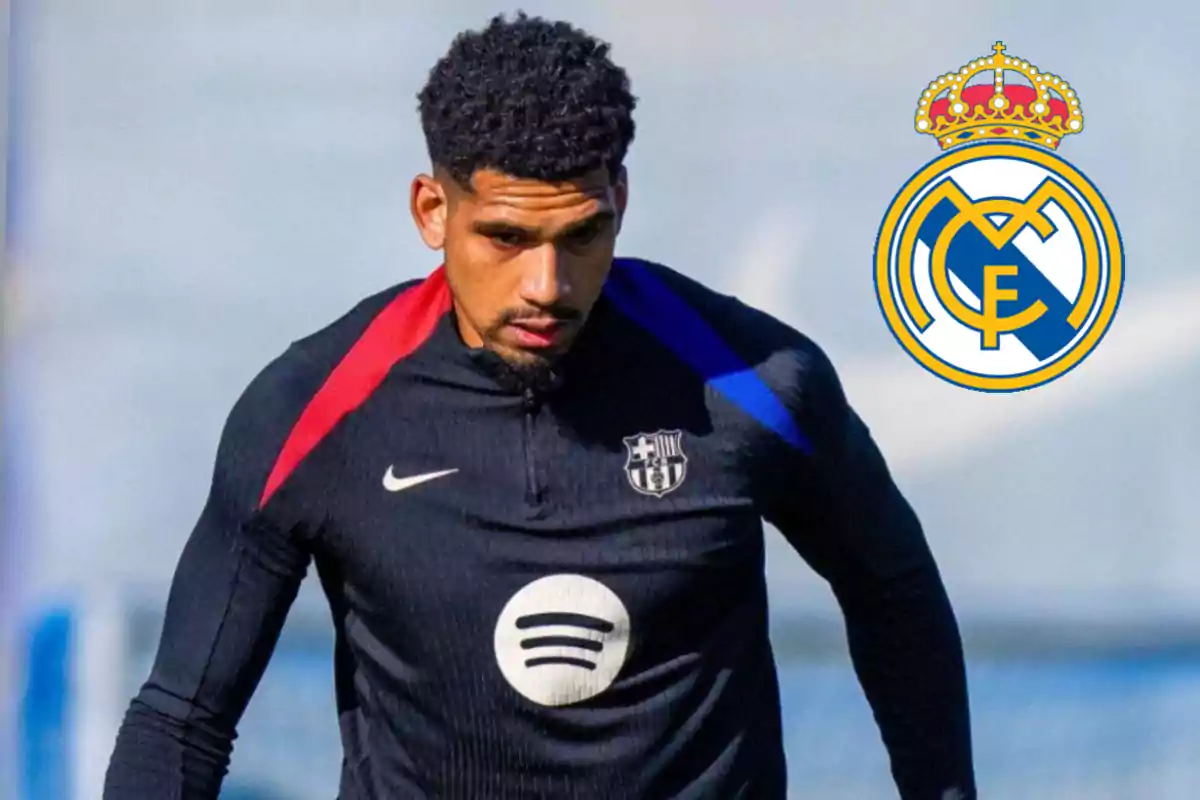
(529, 98)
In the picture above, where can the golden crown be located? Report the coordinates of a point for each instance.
(1041, 109)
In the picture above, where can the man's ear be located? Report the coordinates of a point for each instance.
(430, 206)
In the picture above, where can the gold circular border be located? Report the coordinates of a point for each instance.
(1112, 295)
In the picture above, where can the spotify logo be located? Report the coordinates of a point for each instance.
(562, 639)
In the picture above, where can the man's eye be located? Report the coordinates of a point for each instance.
(507, 239)
(584, 235)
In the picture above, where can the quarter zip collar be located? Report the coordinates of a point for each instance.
(483, 368)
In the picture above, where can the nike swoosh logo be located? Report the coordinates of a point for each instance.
(394, 484)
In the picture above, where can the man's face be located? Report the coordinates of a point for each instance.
(525, 260)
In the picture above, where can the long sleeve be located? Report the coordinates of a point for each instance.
(238, 575)
(840, 509)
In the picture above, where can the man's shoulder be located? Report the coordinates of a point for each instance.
(327, 345)
(289, 381)
(667, 298)
(761, 364)
(276, 420)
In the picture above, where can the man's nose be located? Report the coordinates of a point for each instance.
(544, 281)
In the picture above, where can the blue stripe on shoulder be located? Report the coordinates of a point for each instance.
(650, 303)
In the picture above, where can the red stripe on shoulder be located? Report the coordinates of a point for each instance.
(396, 332)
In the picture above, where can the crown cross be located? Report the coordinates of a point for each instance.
(1040, 110)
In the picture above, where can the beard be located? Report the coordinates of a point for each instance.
(521, 371)
(524, 370)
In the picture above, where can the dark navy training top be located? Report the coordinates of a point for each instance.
(554, 592)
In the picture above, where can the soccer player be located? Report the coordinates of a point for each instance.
(532, 484)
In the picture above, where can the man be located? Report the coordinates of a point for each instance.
(532, 484)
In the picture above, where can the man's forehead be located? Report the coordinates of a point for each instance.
(496, 192)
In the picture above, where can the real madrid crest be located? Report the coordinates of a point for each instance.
(655, 462)
(999, 266)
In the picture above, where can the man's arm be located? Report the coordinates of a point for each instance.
(840, 509)
(238, 576)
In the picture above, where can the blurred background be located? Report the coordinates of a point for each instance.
(193, 185)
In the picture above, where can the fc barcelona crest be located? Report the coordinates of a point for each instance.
(656, 464)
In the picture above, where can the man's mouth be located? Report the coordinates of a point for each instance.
(538, 332)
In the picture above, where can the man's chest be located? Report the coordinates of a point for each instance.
(527, 528)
